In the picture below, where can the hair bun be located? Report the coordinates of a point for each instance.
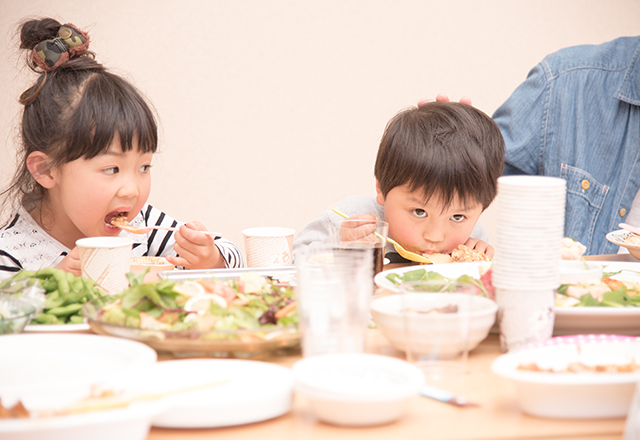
(52, 53)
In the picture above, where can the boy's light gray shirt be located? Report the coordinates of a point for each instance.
(318, 229)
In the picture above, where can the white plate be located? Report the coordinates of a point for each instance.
(615, 320)
(573, 395)
(130, 423)
(449, 270)
(61, 328)
(240, 392)
(34, 361)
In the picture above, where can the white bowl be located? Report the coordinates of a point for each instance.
(357, 389)
(580, 272)
(573, 395)
(387, 314)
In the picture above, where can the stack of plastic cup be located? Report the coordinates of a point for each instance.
(530, 227)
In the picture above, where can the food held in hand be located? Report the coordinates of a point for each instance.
(572, 249)
(462, 254)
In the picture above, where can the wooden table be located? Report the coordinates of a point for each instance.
(497, 417)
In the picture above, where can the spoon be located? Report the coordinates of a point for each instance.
(402, 251)
(630, 228)
(134, 230)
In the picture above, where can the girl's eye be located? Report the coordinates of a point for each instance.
(144, 169)
(420, 213)
(112, 170)
(457, 218)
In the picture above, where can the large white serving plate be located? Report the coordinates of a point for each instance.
(60, 328)
(34, 361)
(50, 371)
(614, 320)
(224, 392)
(582, 395)
(449, 270)
(569, 320)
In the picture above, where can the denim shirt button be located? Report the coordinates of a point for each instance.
(585, 184)
(623, 212)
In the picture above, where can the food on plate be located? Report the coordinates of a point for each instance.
(632, 238)
(609, 292)
(203, 305)
(463, 254)
(17, 411)
(572, 249)
(64, 293)
(484, 283)
(579, 367)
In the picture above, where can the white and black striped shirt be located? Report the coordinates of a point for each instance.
(25, 245)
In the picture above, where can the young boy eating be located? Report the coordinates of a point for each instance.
(436, 172)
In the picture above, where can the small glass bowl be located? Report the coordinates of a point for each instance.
(15, 314)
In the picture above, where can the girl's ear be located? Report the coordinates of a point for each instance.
(38, 166)
(379, 195)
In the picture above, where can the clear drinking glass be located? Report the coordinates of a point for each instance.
(334, 290)
(362, 234)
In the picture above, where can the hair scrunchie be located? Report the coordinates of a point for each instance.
(51, 54)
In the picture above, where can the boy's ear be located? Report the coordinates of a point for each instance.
(379, 195)
(38, 166)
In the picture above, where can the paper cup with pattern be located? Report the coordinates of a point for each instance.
(268, 247)
(106, 260)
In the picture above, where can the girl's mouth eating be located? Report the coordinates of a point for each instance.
(115, 219)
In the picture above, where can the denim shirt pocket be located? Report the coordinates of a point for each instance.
(585, 198)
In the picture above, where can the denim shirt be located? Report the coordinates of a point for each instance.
(577, 117)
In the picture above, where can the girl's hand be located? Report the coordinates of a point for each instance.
(71, 263)
(196, 250)
(479, 245)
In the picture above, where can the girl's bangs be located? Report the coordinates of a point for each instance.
(109, 111)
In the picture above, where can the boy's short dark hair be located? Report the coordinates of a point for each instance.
(445, 149)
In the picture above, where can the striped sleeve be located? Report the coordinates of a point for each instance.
(230, 253)
(160, 243)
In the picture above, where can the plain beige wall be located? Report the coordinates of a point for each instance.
(270, 111)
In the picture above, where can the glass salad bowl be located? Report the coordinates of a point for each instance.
(186, 340)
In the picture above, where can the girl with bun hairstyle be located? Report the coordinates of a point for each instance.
(87, 143)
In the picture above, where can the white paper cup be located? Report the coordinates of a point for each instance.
(268, 246)
(106, 260)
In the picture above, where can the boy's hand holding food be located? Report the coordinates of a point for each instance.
(481, 246)
(195, 250)
(71, 263)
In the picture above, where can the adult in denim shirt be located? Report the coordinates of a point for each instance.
(577, 116)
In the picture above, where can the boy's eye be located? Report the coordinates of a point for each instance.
(112, 170)
(420, 213)
(457, 218)
(144, 169)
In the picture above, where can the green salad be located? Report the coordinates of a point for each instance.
(484, 283)
(250, 302)
(609, 292)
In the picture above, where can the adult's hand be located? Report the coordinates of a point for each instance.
(443, 97)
